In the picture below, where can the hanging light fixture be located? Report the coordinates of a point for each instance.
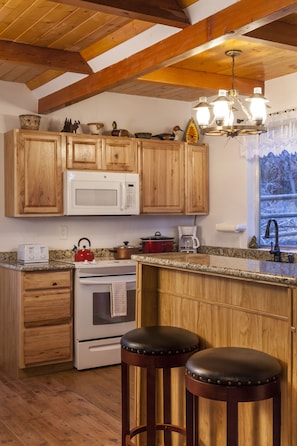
(217, 117)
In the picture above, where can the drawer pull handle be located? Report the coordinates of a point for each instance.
(55, 284)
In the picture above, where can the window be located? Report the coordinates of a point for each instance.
(278, 196)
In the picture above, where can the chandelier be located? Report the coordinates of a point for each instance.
(217, 117)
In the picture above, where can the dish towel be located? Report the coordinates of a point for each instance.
(118, 299)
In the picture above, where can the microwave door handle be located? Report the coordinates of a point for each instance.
(123, 203)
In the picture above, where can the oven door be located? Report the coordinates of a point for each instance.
(94, 318)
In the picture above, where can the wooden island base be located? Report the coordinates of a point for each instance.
(224, 311)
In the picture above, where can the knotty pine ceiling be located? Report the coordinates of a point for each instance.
(40, 40)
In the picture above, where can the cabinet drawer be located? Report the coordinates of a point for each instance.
(47, 307)
(45, 345)
(52, 279)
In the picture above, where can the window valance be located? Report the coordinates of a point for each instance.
(281, 135)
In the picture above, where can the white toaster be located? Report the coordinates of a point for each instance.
(32, 253)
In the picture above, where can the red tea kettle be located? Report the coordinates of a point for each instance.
(82, 255)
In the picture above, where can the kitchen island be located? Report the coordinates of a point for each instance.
(227, 301)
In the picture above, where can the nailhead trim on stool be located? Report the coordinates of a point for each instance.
(231, 374)
(154, 347)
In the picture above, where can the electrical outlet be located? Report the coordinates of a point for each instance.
(63, 230)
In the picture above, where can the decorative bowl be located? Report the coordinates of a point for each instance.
(143, 135)
(29, 122)
(96, 128)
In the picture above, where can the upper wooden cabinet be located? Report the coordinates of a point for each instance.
(119, 154)
(162, 177)
(90, 152)
(83, 152)
(173, 174)
(33, 173)
(197, 179)
(174, 177)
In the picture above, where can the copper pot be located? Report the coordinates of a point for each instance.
(125, 251)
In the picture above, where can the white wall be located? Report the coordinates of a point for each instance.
(130, 112)
(230, 181)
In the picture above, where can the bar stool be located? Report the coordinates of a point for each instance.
(152, 348)
(233, 375)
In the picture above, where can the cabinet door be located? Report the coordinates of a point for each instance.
(83, 152)
(197, 179)
(33, 183)
(46, 345)
(119, 154)
(162, 175)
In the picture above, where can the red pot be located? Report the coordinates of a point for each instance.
(157, 243)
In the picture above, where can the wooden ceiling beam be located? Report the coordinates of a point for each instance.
(237, 19)
(47, 57)
(166, 12)
(200, 79)
(278, 32)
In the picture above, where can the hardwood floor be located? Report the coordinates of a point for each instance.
(65, 408)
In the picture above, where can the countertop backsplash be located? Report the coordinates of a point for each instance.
(105, 253)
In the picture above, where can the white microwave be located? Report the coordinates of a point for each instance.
(100, 193)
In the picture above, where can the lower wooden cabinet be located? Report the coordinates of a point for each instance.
(47, 317)
(36, 320)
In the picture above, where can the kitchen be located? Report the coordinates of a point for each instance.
(227, 167)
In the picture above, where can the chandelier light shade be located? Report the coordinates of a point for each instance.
(217, 117)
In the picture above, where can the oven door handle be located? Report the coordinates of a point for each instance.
(109, 282)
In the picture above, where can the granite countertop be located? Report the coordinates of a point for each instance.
(59, 260)
(261, 270)
(51, 265)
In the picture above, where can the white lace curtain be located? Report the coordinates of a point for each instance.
(281, 135)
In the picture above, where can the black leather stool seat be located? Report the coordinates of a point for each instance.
(233, 366)
(152, 348)
(160, 340)
(231, 374)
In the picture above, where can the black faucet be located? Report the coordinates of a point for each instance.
(274, 249)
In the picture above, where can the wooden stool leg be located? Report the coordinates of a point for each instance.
(232, 423)
(125, 402)
(192, 419)
(276, 420)
(151, 405)
(167, 404)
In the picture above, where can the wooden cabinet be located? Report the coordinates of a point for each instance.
(162, 177)
(47, 318)
(90, 152)
(39, 308)
(119, 154)
(197, 179)
(174, 177)
(33, 173)
(83, 152)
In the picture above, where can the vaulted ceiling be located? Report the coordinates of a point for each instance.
(68, 50)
